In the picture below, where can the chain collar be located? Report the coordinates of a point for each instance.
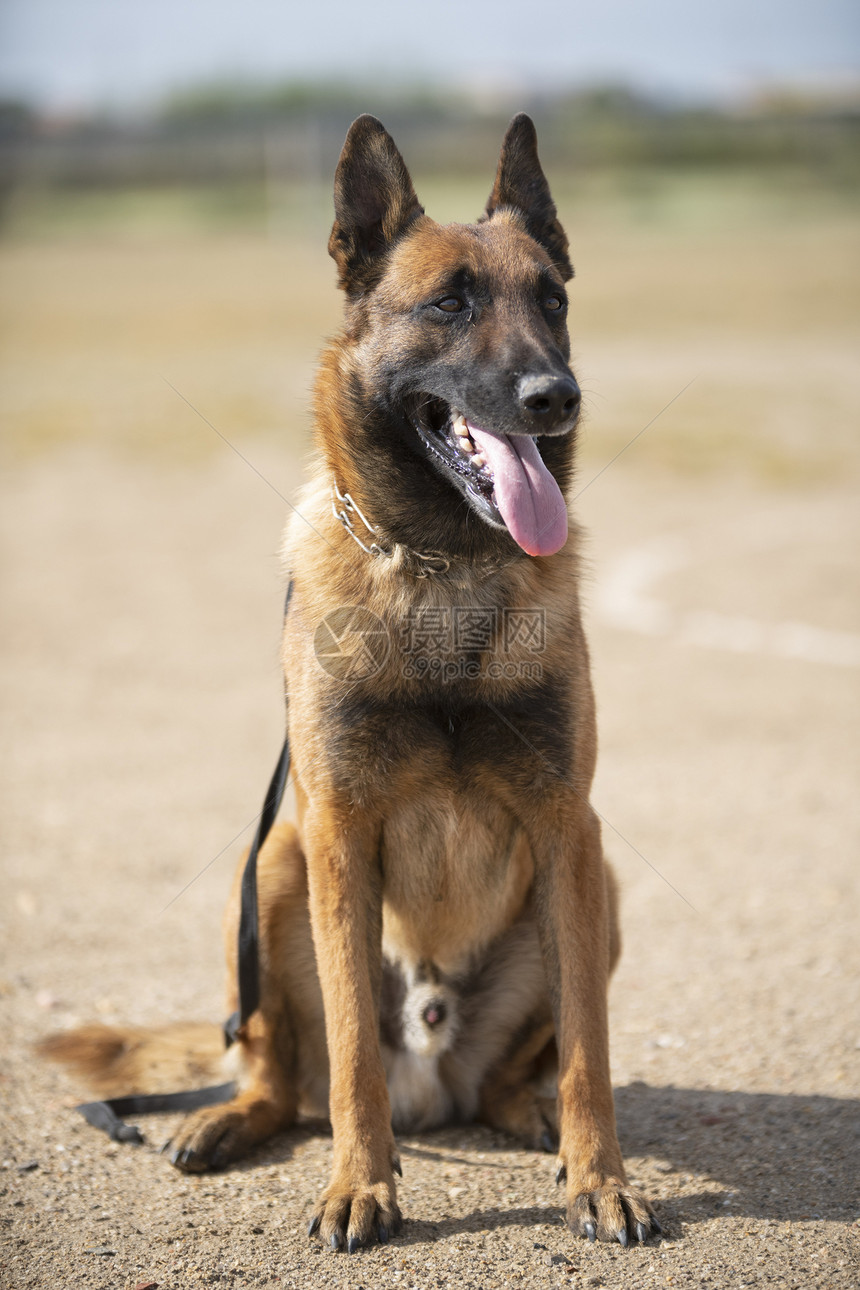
(423, 564)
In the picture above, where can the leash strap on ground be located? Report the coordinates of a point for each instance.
(107, 1115)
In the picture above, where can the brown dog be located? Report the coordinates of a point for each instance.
(436, 936)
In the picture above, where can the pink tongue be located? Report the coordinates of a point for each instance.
(529, 499)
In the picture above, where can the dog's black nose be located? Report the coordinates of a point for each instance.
(547, 401)
(435, 1013)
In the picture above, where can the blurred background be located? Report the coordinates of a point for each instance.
(165, 202)
(165, 199)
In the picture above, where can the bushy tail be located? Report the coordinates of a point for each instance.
(118, 1060)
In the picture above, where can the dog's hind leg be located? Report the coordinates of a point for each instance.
(512, 1096)
(281, 1057)
(501, 1068)
(508, 1032)
(213, 1137)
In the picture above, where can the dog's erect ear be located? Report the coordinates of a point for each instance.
(521, 185)
(374, 202)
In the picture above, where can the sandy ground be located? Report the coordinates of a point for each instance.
(143, 716)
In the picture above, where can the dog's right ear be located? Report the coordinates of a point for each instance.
(374, 202)
(521, 185)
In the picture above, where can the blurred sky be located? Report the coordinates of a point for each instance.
(68, 54)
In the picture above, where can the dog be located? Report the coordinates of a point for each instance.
(438, 929)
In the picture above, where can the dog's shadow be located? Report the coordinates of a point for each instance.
(764, 1156)
(772, 1156)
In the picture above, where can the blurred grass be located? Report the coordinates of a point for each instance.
(742, 284)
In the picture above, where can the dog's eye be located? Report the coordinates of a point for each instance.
(553, 303)
(450, 304)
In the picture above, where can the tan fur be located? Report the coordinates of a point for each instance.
(445, 850)
(115, 1061)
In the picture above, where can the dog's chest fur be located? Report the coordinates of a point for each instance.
(455, 873)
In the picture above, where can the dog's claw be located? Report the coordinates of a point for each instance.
(220, 1159)
(560, 1174)
(397, 1167)
(187, 1160)
(641, 1233)
(313, 1225)
(352, 1244)
(623, 1238)
(591, 1231)
(181, 1159)
(382, 1235)
(165, 1147)
(334, 1241)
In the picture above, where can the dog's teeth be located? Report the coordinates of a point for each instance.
(466, 446)
(460, 427)
(478, 461)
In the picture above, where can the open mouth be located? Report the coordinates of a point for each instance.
(502, 476)
(445, 434)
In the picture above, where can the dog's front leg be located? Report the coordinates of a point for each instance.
(345, 886)
(573, 909)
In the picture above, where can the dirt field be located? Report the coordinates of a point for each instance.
(143, 716)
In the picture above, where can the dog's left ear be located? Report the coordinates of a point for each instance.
(521, 185)
(374, 202)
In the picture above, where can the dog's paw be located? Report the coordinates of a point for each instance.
(525, 1116)
(613, 1212)
(349, 1216)
(213, 1138)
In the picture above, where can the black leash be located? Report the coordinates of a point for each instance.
(107, 1115)
(249, 921)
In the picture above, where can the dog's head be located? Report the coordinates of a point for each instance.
(458, 333)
